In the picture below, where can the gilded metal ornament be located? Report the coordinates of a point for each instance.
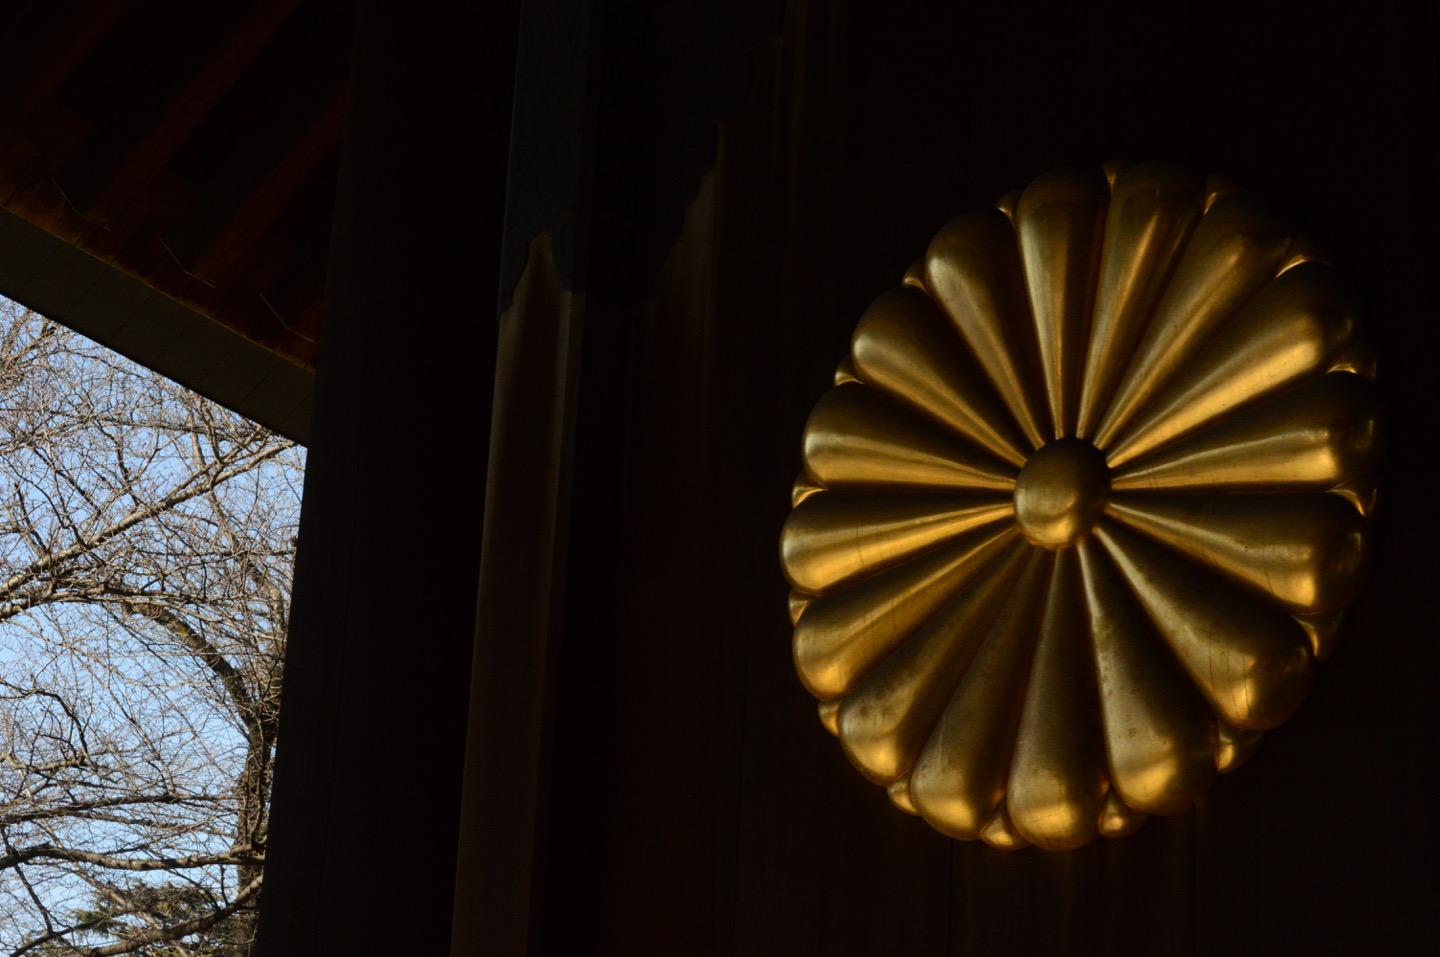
(1081, 514)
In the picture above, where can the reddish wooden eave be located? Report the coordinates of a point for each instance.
(192, 148)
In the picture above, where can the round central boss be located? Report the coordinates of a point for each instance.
(1061, 492)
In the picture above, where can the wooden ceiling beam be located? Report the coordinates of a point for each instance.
(44, 45)
(101, 189)
(276, 159)
(127, 127)
(297, 297)
(280, 184)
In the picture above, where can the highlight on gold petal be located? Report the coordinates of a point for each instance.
(1313, 437)
(887, 719)
(1298, 326)
(803, 489)
(1308, 550)
(798, 602)
(859, 437)
(899, 792)
(1232, 254)
(1057, 774)
(1118, 819)
(1059, 221)
(1086, 509)
(1234, 746)
(1217, 187)
(842, 635)
(1152, 212)
(958, 780)
(1001, 834)
(973, 271)
(915, 276)
(1323, 632)
(1007, 203)
(1304, 248)
(1159, 733)
(1112, 169)
(838, 536)
(1363, 493)
(1250, 660)
(905, 347)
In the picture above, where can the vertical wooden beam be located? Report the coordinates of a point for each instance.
(521, 589)
(367, 790)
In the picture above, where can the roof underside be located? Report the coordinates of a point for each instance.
(191, 148)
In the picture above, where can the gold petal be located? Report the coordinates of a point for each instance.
(798, 603)
(1053, 691)
(1233, 252)
(1000, 832)
(1304, 248)
(1251, 661)
(838, 536)
(1323, 632)
(915, 275)
(973, 270)
(899, 792)
(842, 636)
(803, 488)
(1007, 203)
(1217, 188)
(906, 347)
(1057, 779)
(1059, 221)
(1359, 359)
(1119, 819)
(1309, 550)
(885, 722)
(1159, 735)
(1298, 326)
(830, 714)
(1362, 493)
(858, 436)
(1114, 169)
(1234, 746)
(959, 779)
(1309, 438)
(1151, 214)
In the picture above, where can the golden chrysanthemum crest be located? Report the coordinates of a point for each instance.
(1083, 509)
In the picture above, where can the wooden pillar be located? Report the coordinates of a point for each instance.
(366, 805)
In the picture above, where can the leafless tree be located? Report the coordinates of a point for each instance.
(146, 548)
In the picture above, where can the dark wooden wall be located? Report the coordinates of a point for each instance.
(646, 775)
(692, 803)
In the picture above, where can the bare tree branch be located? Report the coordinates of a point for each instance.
(157, 935)
(146, 552)
(124, 864)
